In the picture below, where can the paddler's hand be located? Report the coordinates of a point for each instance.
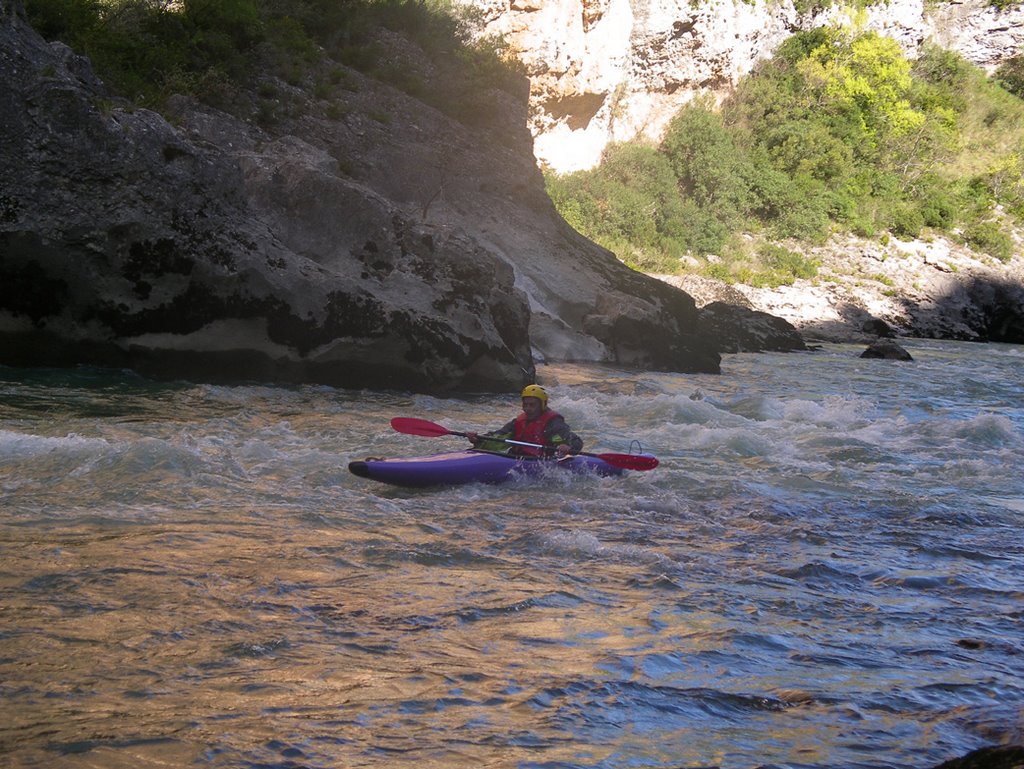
(474, 438)
(562, 449)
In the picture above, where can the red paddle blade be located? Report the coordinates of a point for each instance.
(413, 426)
(630, 461)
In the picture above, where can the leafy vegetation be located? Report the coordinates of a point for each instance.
(987, 236)
(150, 49)
(838, 132)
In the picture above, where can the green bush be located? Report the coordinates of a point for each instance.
(801, 146)
(783, 266)
(632, 204)
(905, 221)
(146, 48)
(938, 202)
(791, 207)
(68, 20)
(705, 232)
(770, 265)
(1005, 183)
(709, 165)
(946, 71)
(718, 271)
(989, 237)
(150, 49)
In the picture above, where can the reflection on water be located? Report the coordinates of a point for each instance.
(826, 570)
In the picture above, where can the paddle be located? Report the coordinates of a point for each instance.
(413, 426)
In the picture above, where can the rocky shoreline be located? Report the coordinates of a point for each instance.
(866, 289)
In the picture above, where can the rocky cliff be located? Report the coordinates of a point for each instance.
(612, 70)
(377, 244)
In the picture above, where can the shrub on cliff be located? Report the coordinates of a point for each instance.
(990, 238)
(844, 115)
(147, 50)
(631, 206)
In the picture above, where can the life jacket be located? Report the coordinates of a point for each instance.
(533, 431)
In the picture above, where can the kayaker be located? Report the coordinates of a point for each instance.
(537, 424)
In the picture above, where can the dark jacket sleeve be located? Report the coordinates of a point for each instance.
(507, 431)
(558, 432)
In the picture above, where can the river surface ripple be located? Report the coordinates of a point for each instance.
(827, 570)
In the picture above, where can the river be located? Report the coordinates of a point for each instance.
(826, 570)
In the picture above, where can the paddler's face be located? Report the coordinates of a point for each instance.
(532, 407)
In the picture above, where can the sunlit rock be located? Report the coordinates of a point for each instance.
(617, 69)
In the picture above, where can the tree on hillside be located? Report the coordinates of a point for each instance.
(839, 130)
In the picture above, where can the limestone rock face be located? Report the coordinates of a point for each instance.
(412, 252)
(611, 70)
(981, 33)
(125, 242)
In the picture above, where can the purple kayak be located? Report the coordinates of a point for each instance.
(472, 466)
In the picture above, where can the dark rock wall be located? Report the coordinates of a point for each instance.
(416, 252)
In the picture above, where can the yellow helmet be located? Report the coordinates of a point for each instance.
(535, 391)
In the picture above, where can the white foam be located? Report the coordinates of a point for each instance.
(16, 444)
(577, 543)
(988, 430)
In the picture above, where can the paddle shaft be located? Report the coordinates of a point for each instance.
(542, 446)
(509, 440)
(629, 461)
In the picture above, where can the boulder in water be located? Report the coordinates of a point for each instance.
(741, 329)
(997, 757)
(886, 350)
